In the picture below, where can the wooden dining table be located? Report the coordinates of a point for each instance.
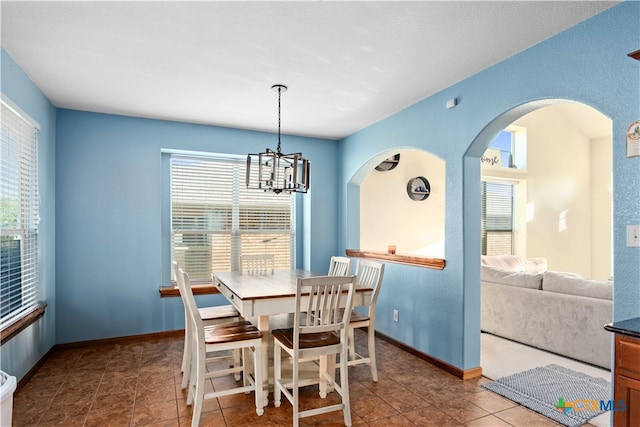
(265, 295)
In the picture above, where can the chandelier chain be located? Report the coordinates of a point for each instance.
(279, 94)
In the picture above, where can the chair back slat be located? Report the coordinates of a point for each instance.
(176, 272)
(257, 263)
(369, 275)
(339, 266)
(324, 297)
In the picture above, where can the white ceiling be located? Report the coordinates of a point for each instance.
(348, 64)
(592, 123)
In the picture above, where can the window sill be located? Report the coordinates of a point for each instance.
(503, 172)
(417, 261)
(17, 327)
(198, 288)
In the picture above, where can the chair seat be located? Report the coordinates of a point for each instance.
(219, 312)
(319, 339)
(230, 332)
(358, 317)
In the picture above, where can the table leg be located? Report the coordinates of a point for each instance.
(263, 326)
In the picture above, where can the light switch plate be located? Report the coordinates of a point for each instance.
(633, 235)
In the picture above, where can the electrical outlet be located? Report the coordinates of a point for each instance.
(395, 315)
(633, 235)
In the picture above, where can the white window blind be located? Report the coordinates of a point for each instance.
(214, 218)
(19, 216)
(497, 218)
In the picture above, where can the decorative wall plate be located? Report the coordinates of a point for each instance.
(389, 164)
(418, 188)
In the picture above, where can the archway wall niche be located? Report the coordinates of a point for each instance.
(388, 214)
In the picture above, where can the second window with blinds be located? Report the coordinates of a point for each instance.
(497, 223)
(20, 287)
(215, 218)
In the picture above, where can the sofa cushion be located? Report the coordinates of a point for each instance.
(503, 262)
(535, 265)
(510, 278)
(566, 284)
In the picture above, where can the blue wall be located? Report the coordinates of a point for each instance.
(109, 211)
(440, 310)
(18, 355)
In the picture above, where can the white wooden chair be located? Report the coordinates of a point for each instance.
(238, 335)
(210, 316)
(320, 336)
(257, 263)
(339, 266)
(369, 275)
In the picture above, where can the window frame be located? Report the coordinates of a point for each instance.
(168, 281)
(25, 149)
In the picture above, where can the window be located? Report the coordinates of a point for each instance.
(19, 216)
(508, 150)
(215, 218)
(503, 144)
(497, 218)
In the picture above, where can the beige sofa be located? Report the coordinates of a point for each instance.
(558, 312)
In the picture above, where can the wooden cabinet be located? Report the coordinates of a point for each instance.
(627, 381)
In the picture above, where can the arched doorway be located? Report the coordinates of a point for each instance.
(565, 209)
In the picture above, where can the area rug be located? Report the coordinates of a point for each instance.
(568, 397)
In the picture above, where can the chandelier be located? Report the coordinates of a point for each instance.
(278, 172)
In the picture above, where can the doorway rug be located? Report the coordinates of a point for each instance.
(568, 397)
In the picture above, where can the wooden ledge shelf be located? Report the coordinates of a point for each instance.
(417, 261)
(17, 327)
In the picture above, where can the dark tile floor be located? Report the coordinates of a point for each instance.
(138, 383)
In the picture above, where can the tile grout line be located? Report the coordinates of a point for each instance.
(135, 394)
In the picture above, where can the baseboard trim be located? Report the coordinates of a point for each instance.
(118, 340)
(25, 379)
(465, 374)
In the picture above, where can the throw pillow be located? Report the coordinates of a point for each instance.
(510, 278)
(535, 265)
(503, 262)
(565, 284)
